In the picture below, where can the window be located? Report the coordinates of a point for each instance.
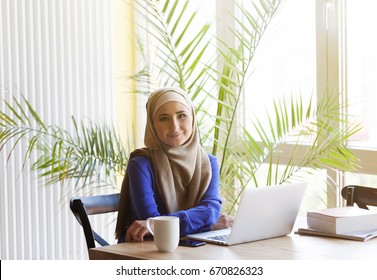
(284, 66)
(311, 45)
(285, 62)
(361, 67)
(357, 71)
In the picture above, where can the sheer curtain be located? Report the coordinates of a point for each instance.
(58, 55)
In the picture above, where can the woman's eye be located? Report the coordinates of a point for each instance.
(181, 116)
(162, 119)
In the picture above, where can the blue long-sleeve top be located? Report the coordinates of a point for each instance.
(146, 201)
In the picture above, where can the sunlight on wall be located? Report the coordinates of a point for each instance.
(123, 66)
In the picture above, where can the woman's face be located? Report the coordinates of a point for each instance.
(173, 123)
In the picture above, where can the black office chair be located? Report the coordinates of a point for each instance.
(361, 195)
(92, 205)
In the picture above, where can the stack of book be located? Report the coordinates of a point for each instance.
(342, 222)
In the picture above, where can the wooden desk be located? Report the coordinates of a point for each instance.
(289, 247)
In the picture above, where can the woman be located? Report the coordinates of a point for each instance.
(172, 175)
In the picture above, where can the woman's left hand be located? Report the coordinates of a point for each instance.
(224, 221)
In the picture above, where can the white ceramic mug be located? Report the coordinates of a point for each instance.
(165, 232)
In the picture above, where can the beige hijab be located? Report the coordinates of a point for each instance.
(182, 173)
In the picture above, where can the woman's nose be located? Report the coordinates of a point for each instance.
(173, 124)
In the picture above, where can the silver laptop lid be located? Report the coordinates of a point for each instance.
(267, 212)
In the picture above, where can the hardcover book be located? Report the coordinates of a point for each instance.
(342, 220)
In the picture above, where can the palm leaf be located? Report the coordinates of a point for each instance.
(325, 146)
(236, 62)
(180, 47)
(85, 155)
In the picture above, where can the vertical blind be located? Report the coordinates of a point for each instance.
(57, 54)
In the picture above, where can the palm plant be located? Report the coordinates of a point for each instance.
(192, 67)
(91, 154)
(188, 56)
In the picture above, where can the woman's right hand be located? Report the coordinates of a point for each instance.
(136, 231)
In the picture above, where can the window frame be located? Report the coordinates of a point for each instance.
(331, 71)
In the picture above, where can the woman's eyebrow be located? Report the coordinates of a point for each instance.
(180, 112)
(176, 113)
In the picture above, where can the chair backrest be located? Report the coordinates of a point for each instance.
(361, 195)
(91, 205)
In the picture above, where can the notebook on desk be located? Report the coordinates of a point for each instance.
(263, 213)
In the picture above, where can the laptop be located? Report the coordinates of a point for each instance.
(263, 212)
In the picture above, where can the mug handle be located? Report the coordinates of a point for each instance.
(149, 226)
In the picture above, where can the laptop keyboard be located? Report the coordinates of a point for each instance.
(223, 238)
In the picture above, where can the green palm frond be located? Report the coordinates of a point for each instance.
(92, 153)
(236, 64)
(312, 143)
(180, 47)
